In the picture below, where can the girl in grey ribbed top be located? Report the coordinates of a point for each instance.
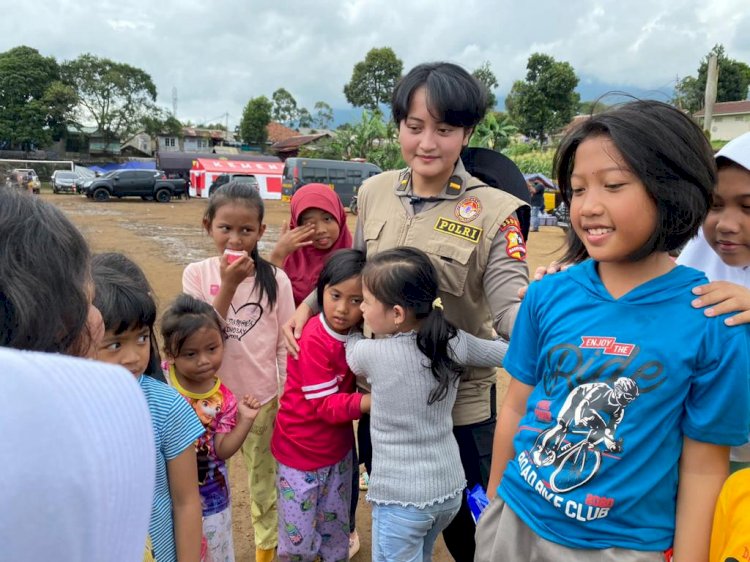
(413, 372)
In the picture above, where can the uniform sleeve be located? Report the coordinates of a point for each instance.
(227, 418)
(284, 309)
(523, 352)
(472, 351)
(505, 274)
(181, 427)
(320, 384)
(717, 408)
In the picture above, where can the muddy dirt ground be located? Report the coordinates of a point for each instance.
(164, 238)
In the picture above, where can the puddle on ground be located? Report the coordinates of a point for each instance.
(183, 245)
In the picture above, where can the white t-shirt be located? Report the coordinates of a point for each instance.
(77, 460)
(700, 255)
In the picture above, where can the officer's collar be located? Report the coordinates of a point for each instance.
(455, 187)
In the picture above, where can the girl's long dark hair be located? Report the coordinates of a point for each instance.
(239, 193)
(406, 277)
(44, 277)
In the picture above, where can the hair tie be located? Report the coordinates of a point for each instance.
(437, 303)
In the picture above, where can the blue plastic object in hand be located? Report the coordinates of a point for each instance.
(477, 500)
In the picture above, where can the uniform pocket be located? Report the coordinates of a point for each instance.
(371, 232)
(452, 264)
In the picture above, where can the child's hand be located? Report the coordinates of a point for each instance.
(292, 240)
(235, 273)
(541, 271)
(365, 404)
(248, 407)
(724, 297)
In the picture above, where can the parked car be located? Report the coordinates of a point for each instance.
(63, 181)
(146, 184)
(251, 180)
(24, 178)
(344, 177)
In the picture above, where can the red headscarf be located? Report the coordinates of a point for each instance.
(303, 266)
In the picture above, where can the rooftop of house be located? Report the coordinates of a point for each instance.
(729, 108)
(278, 132)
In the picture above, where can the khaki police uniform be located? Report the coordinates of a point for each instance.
(470, 233)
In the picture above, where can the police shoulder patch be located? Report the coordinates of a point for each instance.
(509, 223)
(455, 228)
(515, 246)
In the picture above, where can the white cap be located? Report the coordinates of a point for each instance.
(738, 151)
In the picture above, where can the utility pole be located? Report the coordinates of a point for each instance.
(712, 81)
(174, 101)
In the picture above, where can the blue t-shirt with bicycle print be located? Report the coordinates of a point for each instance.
(617, 385)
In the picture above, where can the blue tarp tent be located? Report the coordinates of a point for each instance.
(132, 165)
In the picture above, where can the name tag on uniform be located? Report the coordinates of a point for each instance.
(455, 228)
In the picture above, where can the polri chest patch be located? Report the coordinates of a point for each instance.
(468, 209)
(455, 228)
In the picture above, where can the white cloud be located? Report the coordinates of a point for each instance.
(220, 53)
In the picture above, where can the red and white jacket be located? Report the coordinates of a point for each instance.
(314, 424)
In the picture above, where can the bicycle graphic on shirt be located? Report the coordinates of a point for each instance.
(591, 413)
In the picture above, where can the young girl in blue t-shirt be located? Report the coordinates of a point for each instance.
(129, 313)
(612, 443)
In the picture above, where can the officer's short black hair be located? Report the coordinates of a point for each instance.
(668, 153)
(454, 96)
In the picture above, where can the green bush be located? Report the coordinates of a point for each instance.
(535, 162)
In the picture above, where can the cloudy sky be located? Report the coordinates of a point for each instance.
(217, 54)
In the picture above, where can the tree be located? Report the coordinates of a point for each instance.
(35, 105)
(371, 138)
(485, 75)
(284, 107)
(734, 79)
(494, 131)
(546, 100)
(323, 115)
(161, 122)
(255, 119)
(115, 96)
(373, 79)
(304, 118)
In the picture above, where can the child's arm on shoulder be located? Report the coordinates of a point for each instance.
(511, 412)
(227, 444)
(702, 471)
(723, 297)
(182, 472)
(477, 352)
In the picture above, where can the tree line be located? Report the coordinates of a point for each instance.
(40, 98)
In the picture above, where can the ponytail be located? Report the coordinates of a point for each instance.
(265, 278)
(433, 339)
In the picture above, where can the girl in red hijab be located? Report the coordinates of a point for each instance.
(316, 229)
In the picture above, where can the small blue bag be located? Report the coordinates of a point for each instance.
(477, 500)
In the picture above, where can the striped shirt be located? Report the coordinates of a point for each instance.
(175, 428)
